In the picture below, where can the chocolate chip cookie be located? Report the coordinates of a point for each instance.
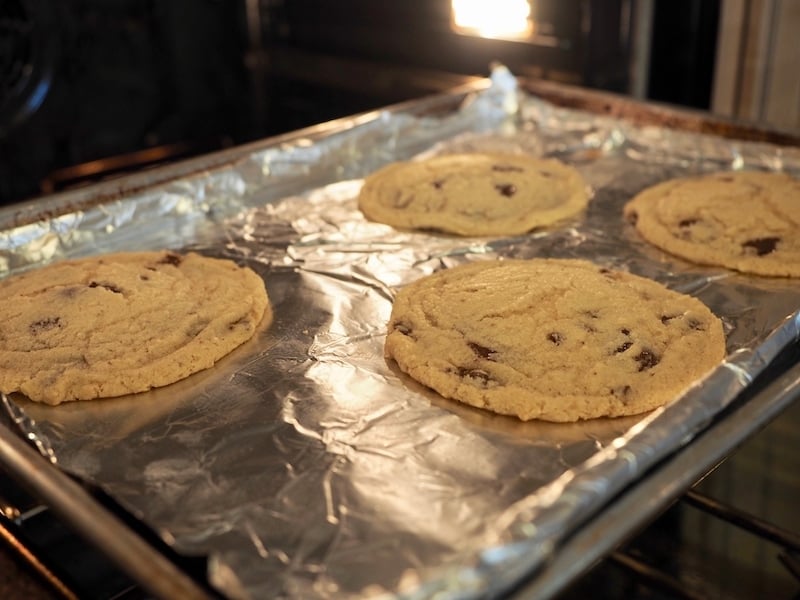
(552, 339)
(474, 194)
(122, 323)
(745, 220)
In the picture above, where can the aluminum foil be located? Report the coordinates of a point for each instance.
(306, 466)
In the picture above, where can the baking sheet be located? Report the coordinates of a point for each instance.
(306, 466)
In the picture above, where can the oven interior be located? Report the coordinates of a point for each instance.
(94, 89)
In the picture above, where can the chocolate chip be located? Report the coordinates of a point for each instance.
(646, 359)
(623, 347)
(400, 201)
(687, 222)
(667, 318)
(238, 323)
(402, 328)
(44, 325)
(633, 217)
(625, 331)
(763, 245)
(695, 324)
(555, 337)
(506, 189)
(506, 169)
(438, 184)
(614, 275)
(171, 259)
(621, 391)
(196, 327)
(477, 374)
(481, 351)
(105, 285)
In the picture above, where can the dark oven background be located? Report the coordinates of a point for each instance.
(94, 88)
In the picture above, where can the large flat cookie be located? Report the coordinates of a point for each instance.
(122, 323)
(744, 220)
(474, 194)
(552, 339)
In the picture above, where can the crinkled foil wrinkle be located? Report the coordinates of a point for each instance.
(304, 465)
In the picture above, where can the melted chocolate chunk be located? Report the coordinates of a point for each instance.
(171, 259)
(762, 246)
(105, 285)
(478, 374)
(44, 325)
(555, 337)
(243, 321)
(621, 391)
(646, 359)
(506, 189)
(687, 222)
(402, 328)
(198, 326)
(623, 347)
(695, 324)
(506, 169)
(481, 351)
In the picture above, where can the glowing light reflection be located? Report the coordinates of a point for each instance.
(495, 19)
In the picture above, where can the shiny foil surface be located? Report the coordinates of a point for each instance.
(304, 465)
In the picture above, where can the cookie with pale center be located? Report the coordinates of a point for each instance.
(748, 221)
(474, 194)
(552, 339)
(122, 323)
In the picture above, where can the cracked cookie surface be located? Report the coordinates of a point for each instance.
(748, 221)
(122, 323)
(474, 194)
(552, 339)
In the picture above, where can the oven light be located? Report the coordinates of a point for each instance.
(495, 19)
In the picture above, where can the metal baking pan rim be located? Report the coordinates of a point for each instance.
(95, 194)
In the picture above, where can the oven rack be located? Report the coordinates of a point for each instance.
(667, 585)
